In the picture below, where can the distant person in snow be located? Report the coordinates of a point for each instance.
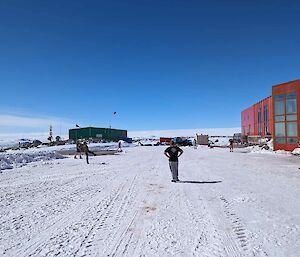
(195, 143)
(231, 145)
(85, 149)
(120, 146)
(78, 149)
(173, 152)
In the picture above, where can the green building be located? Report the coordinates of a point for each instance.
(97, 133)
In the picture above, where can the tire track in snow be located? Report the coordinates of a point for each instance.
(236, 225)
(212, 237)
(79, 237)
(231, 230)
(208, 241)
(79, 234)
(239, 231)
(167, 234)
(57, 223)
(109, 225)
(129, 241)
(46, 215)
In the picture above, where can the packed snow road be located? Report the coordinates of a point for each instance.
(227, 204)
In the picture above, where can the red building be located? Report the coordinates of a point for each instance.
(286, 97)
(259, 121)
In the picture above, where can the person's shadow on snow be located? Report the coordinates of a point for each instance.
(198, 182)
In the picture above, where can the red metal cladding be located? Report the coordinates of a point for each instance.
(257, 120)
(263, 125)
(248, 121)
(284, 89)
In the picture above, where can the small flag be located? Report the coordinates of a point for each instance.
(115, 112)
(77, 126)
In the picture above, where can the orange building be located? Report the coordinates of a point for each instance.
(276, 116)
(286, 125)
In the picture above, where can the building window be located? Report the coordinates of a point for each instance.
(291, 117)
(279, 129)
(292, 140)
(291, 106)
(279, 118)
(291, 129)
(286, 124)
(279, 107)
(266, 120)
(280, 140)
(259, 121)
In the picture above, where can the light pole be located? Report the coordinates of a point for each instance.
(114, 113)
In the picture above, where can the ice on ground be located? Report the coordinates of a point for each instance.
(296, 151)
(226, 204)
(16, 160)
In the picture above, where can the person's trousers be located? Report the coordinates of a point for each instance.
(174, 169)
(87, 155)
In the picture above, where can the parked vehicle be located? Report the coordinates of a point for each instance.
(237, 137)
(182, 141)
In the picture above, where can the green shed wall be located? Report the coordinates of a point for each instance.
(90, 132)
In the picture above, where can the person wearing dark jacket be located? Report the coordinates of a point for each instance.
(86, 150)
(231, 145)
(83, 147)
(78, 149)
(173, 152)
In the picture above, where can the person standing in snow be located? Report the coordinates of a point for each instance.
(195, 143)
(120, 146)
(231, 145)
(83, 147)
(86, 150)
(173, 152)
(78, 149)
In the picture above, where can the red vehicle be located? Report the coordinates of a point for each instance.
(165, 140)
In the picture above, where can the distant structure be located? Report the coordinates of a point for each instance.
(276, 116)
(93, 133)
(165, 140)
(50, 134)
(202, 139)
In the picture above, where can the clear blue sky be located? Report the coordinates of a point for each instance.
(158, 64)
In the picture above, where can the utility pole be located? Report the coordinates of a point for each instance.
(114, 113)
(50, 134)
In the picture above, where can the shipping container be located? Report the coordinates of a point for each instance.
(202, 139)
(165, 140)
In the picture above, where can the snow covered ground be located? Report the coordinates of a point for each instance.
(227, 204)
